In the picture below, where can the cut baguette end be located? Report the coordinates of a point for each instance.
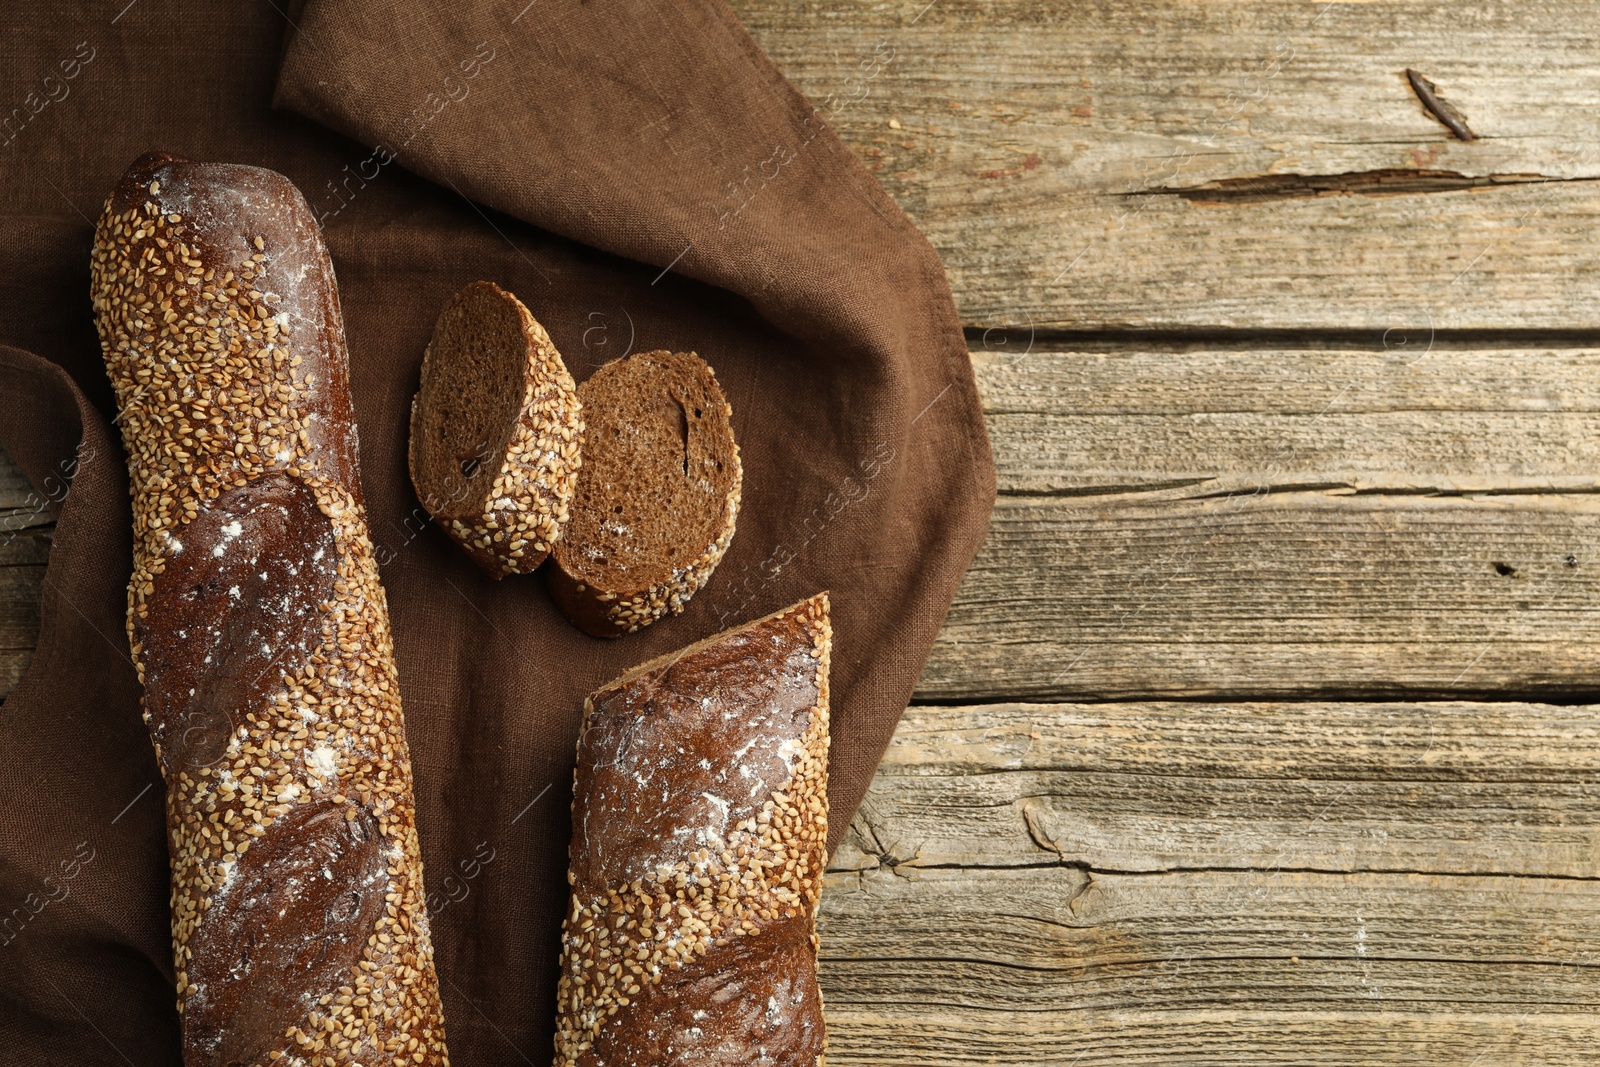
(812, 612)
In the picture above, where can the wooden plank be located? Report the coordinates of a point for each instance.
(1190, 520)
(1058, 156)
(25, 527)
(1292, 593)
(1166, 909)
(913, 1034)
(22, 559)
(1056, 939)
(1420, 414)
(1449, 788)
(13, 665)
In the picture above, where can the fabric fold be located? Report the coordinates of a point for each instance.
(82, 833)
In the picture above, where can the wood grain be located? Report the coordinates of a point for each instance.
(1191, 520)
(1058, 939)
(1328, 883)
(1447, 788)
(1421, 414)
(1289, 593)
(1058, 155)
(912, 1034)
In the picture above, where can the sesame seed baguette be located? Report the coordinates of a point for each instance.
(699, 832)
(495, 431)
(259, 629)
(657, 499)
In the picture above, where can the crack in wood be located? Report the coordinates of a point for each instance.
(1089, 872)
(1053, 339)
(1385, 181)
(1129, 489)
(1452, 117)
(1322, 488)
(870, 841)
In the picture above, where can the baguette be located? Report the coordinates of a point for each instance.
(699, 833)
(259, 629)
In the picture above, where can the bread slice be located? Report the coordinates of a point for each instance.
(658, 496)
(496, 430)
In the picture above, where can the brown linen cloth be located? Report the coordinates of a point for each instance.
(643, 178)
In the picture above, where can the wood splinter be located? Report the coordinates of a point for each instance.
(1453, 119)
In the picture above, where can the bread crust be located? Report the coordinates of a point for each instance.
(259, 628)
(511, 528)
(700, 825)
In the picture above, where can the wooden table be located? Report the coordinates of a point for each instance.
(1257, 733)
